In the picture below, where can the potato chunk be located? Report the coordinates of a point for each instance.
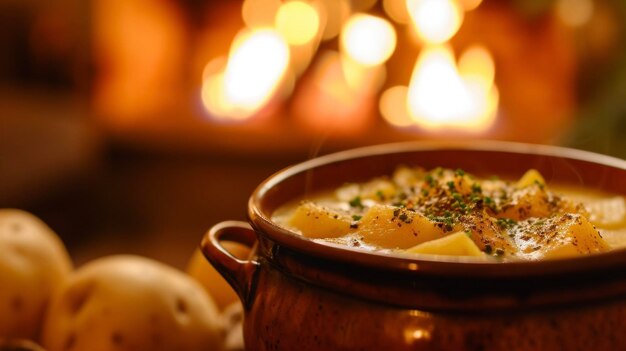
(457, 244)
(393, 227)
(562, 236)
(316, 221)
(534, 201)
(531, 177)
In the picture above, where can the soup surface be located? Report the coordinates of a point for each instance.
(451, 212)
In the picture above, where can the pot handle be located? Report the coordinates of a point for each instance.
(238, 273)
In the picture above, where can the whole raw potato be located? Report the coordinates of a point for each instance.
(131, 303)
(33, 263)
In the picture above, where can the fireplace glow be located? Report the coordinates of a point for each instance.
(281, 41)
(442, 93)
(256, 66)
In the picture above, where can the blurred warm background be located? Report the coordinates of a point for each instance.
(133, 126)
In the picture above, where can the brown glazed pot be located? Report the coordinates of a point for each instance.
(299, 294)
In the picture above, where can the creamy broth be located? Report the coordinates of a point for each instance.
(451, 212)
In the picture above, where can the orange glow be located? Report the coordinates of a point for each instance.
(367, 79)
(124, 31)
(393, 104)
(440, 95)
(259, 13)
(333, 14)
(298, 22)
(476, 65)
(574, 13)
(330, 104)
(469, 5)
(256, 67)
(436, 21)
(397, 10)
(368, 40)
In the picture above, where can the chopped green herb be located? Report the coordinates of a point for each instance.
(541, 185)
(459, 172)
(505, 223)
(490, 203)
(476, 188)
(356, 217)
(356, 202)
(447, 221)
(429, 180)
(451, 185)
(380, 195)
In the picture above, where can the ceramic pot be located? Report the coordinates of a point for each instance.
(299, 294)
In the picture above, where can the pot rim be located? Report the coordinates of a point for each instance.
(428, 264)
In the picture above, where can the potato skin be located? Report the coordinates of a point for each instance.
(131, 303)
(33, 263)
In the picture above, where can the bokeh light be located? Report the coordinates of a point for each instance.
(298, 22)
(436, 21)
(368, 40)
